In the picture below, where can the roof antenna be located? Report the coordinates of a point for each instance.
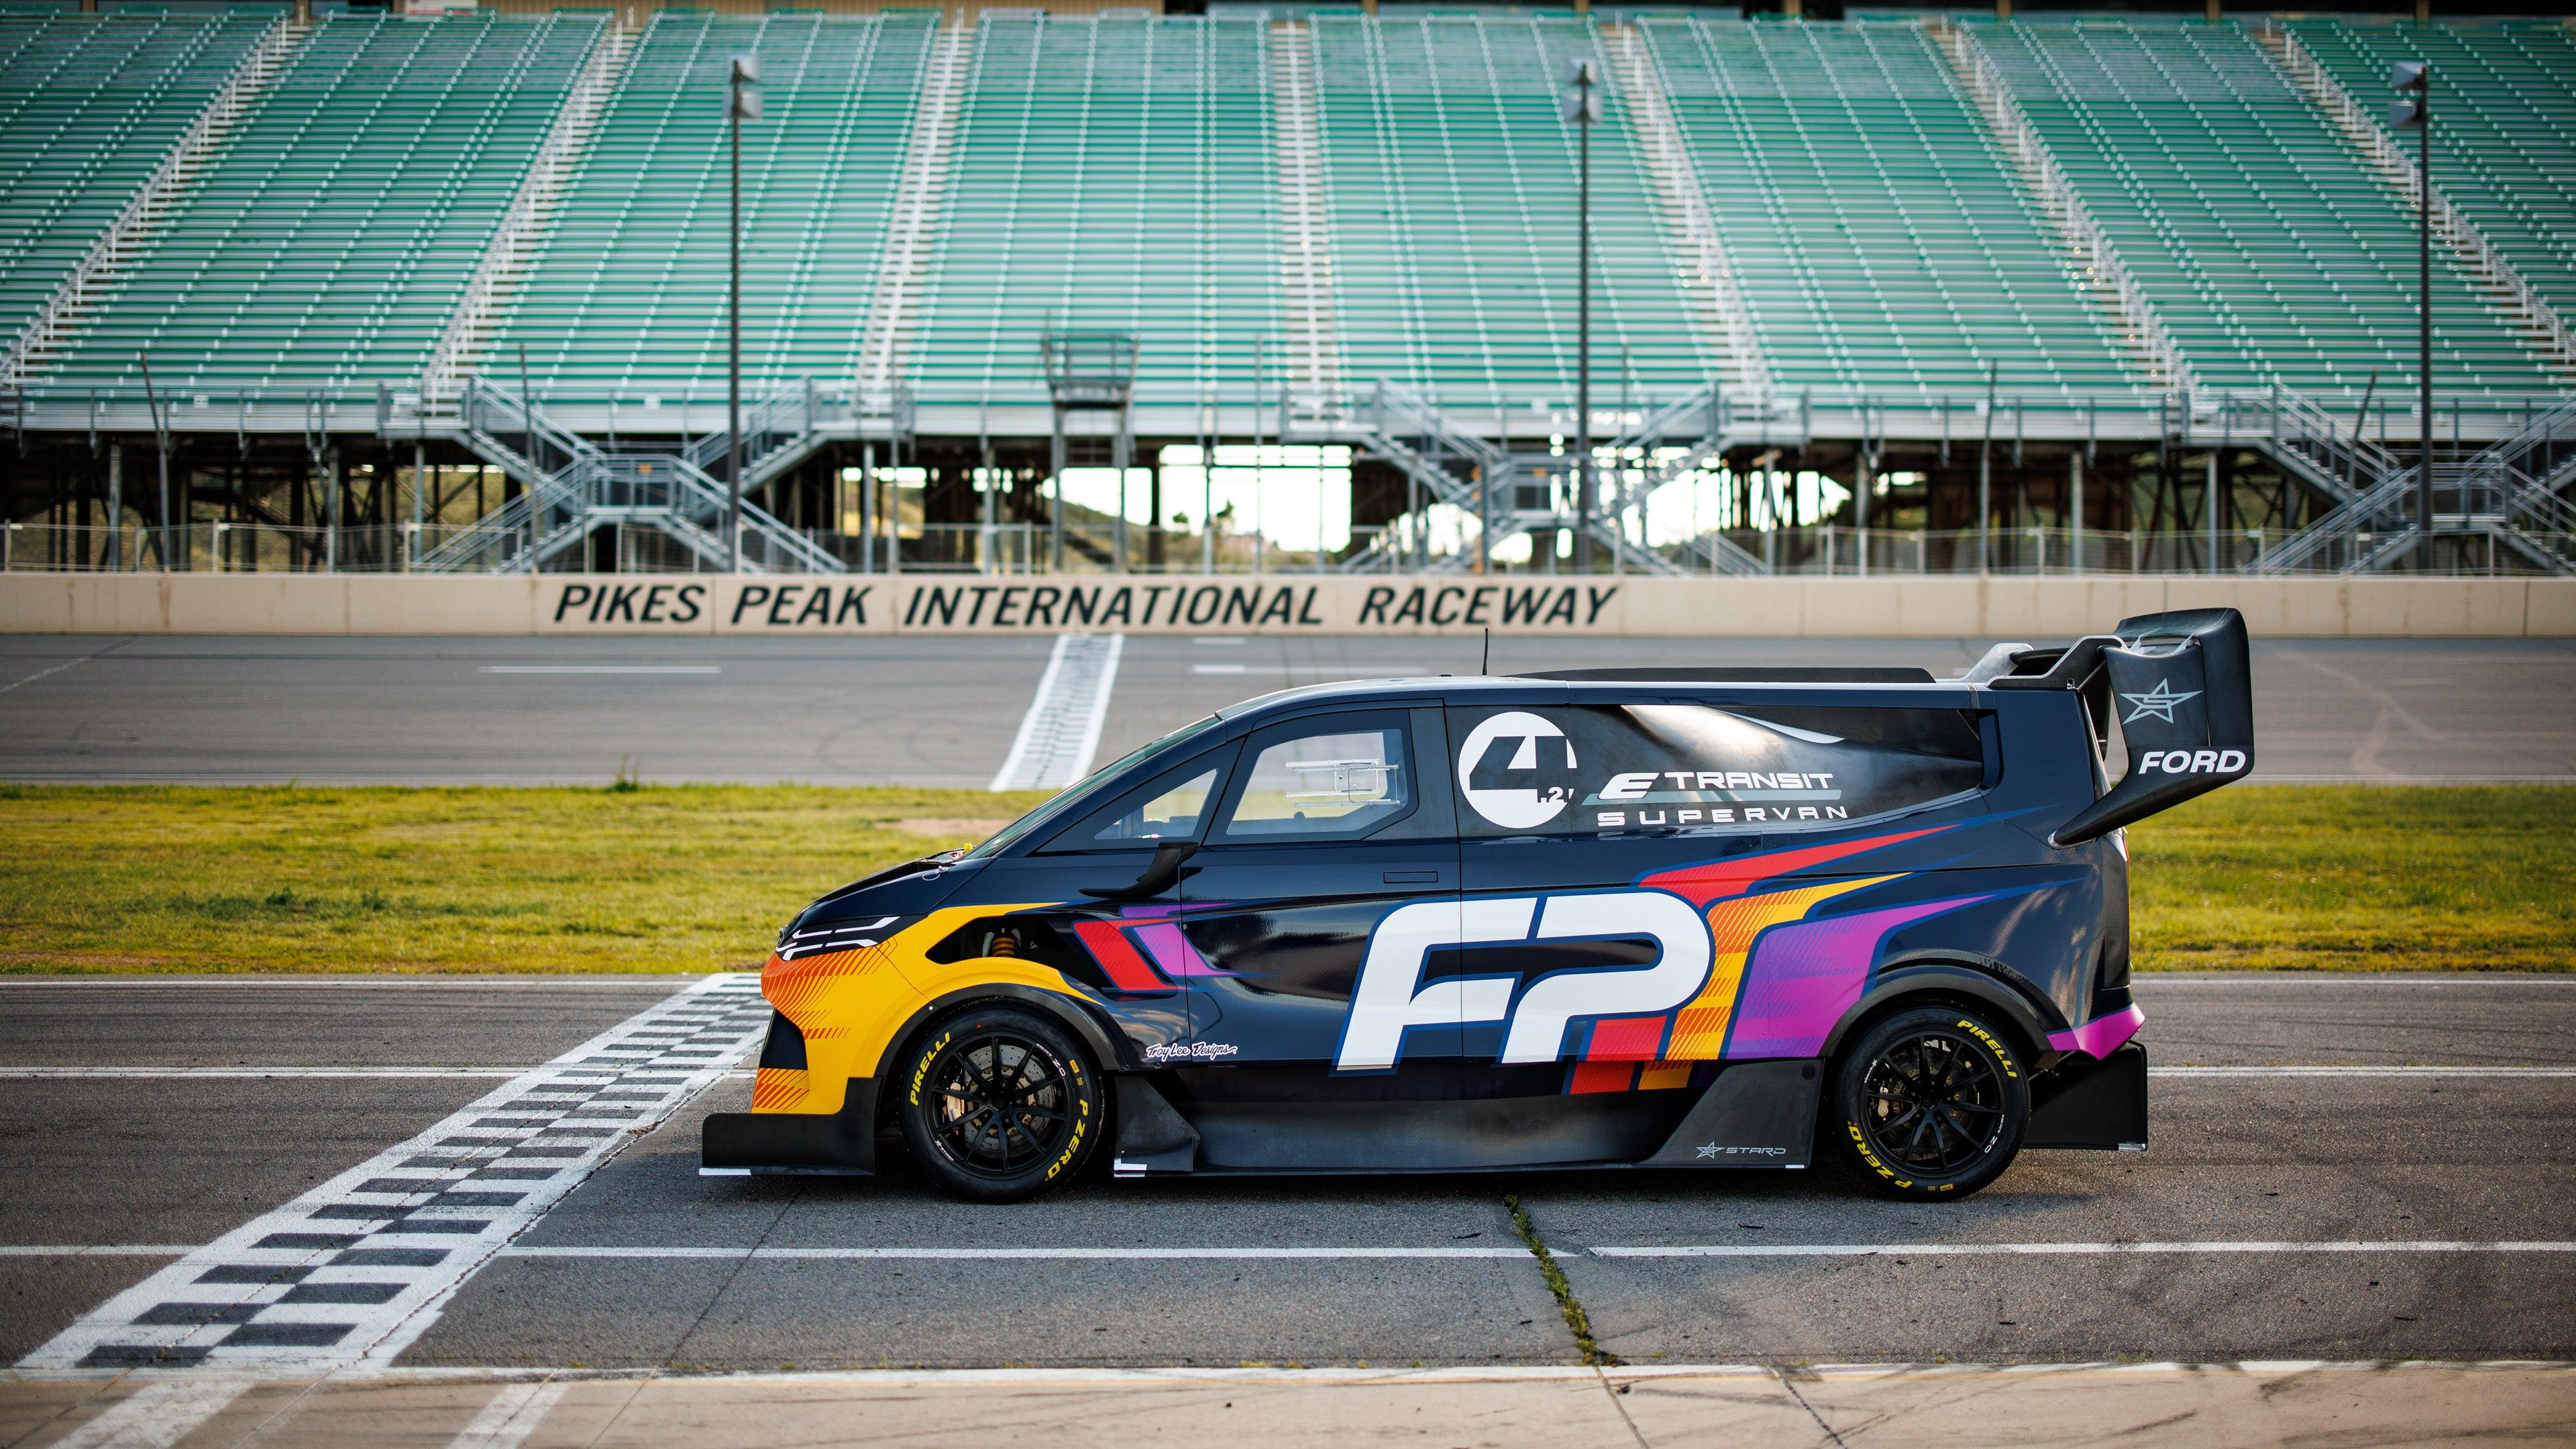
(1486, 664)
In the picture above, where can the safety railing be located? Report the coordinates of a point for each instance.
(1022, 548)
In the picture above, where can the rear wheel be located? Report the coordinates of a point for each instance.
(1000, 1103)
(1930, 1103)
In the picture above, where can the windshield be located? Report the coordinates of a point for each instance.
(1055, 804)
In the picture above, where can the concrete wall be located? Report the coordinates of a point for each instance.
(2014, 607)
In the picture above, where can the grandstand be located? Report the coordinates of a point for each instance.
(624, 298)
(1932, 291)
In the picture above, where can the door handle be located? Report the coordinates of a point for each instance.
(1413, 877)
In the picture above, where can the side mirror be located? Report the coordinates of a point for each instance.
(1161, 874)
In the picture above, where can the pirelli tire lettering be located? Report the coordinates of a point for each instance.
(921, 1065)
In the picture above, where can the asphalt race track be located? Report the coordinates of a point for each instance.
(2324, 1214)
(943, 711)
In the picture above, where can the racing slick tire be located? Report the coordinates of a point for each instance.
(1000, 1103)
(1930, 1103)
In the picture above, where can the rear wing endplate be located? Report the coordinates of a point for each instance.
(2182, 691)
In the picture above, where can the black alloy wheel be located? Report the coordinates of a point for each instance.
(1931, 1103)
(999, 1104)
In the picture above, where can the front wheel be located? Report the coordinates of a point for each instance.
(1930, 1103)
(999, 1104)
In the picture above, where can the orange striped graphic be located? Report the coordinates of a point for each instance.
(777, 1088)
(1700, 1033)
(796, 988)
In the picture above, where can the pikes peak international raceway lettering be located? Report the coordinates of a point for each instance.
(1085, 606)
(1472, 604)
(631, 603)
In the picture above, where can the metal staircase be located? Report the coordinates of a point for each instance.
(2513, 491)
(571, 488)
(1515, 493)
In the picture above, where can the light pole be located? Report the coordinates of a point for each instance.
(1583, 108)
(2413, 80)
(743, 81)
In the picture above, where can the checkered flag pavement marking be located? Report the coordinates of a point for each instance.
(357, 1268)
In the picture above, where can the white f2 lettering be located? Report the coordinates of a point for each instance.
(1390, 997)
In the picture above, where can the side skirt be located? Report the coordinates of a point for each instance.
(1757, 1114)
(1754, 1114)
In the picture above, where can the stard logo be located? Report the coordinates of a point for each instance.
(2159, 701)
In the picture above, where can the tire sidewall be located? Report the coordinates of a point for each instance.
(1982, 1035)
(1087, 1100)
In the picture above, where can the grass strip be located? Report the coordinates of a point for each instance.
(1577, 1322)
(696, 878)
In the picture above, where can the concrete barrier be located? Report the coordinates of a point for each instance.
(1792, 607)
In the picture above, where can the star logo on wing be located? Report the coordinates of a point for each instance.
(2159, 701)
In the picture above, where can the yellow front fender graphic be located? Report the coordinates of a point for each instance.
(850, 1004)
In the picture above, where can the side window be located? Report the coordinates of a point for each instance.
(1171, 806)
(1654, 766)
(1334, 778)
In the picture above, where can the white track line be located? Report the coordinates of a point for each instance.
(145, 1074)
(988, 1255)
(603, 669)
(649, 1252)
(1061, 731)
(355, 1269)
(96, 1250)
(45, 1074)
(511, 1417)
(1462, 1373)
(156, 1415)
(2223, 1072)
(528, 982)
(66, 664)
(263, 1074)
(2044, 1250)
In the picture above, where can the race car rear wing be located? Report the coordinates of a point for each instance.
(2181, 691)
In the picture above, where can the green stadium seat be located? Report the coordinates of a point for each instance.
(1880, 239)
(1110, 172)
(1451, 179)
(2504, 127)
(90, 105)
(2257, 233)
(328, 245)
(626, 299)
